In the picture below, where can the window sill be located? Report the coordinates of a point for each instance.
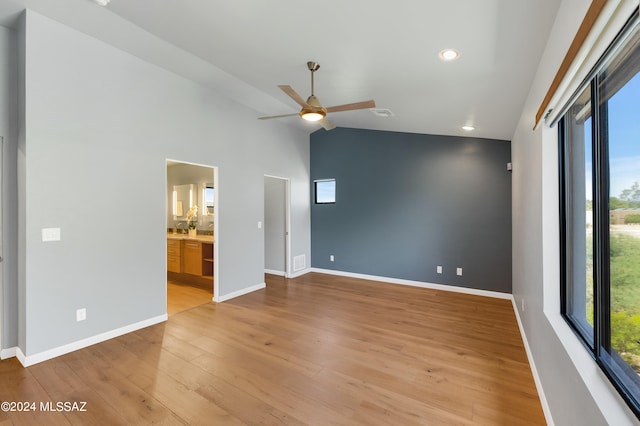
(605, 396)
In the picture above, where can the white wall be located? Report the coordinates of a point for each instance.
(98, 127)
(9, 132)
(576, 390)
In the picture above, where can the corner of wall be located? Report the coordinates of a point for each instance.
(20, 181)
(9, 132)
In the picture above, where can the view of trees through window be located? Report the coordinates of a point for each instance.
(600, 175)
(624, 228)
(624, 251)
(624, 231)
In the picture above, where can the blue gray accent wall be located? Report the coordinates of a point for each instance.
(406, 203)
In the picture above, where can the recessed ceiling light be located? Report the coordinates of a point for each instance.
(468, 128)
(102, 2)
(449, 54)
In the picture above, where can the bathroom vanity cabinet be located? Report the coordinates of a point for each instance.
(174, 255)
(193, 256)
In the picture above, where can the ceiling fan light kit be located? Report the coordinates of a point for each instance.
(312, 115)
(312, 109)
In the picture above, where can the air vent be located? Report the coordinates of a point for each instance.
(299, 262)
(382, 112)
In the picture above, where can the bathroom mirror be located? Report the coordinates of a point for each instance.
(184, 197)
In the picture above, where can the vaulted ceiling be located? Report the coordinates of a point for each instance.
(382, 50)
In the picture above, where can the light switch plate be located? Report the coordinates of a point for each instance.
(459, 271)
(439, 269)
(50, 234)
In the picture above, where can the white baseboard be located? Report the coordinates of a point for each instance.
(536, 378)
(421, 284)
(299, 273)
(242, 292)
(274, 272)
(8, 353)
(29, 360)
(21, 357)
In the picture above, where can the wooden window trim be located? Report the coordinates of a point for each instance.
(585, 27)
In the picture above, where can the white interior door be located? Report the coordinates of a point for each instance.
(276, 225)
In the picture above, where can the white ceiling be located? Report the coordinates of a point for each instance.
(367, 49)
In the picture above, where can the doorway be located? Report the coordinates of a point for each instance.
(276, 225)
(191, 231)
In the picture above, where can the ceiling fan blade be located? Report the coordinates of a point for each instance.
(277, 116)
(327, 124)
(294, 95)
(350, 107)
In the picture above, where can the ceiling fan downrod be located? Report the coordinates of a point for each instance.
(313, 67)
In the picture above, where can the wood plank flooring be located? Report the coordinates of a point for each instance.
(182, 296)
(315, 350)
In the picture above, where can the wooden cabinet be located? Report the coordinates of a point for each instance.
(207, 260)
(192, 257)
(188, 256)
(174, 255)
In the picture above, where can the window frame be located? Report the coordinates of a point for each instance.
(614, 367)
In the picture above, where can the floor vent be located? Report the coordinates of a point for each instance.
(299, 262)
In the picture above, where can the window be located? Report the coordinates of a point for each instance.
(209, 197)
(600, 213)
(325, 191)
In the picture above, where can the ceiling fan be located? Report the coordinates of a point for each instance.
(312, 109)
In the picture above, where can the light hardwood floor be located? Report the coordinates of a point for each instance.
(316, 350)
(183, 296)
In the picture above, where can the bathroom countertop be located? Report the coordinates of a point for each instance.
(201, 238)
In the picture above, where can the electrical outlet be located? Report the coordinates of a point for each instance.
(331, 258)
(50, 234)
(459, 272)
(259, 225)
(81, 314)
(439, 269)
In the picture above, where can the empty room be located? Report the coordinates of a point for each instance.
(409, 212)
